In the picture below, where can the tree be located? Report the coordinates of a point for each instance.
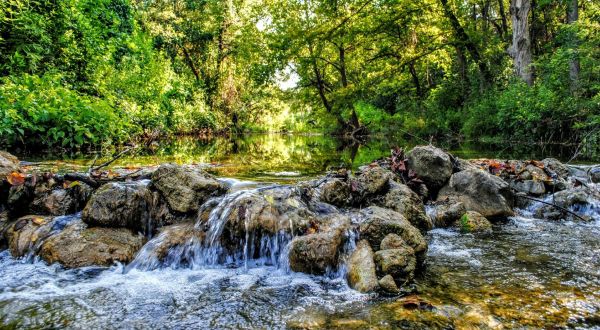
(520, 50)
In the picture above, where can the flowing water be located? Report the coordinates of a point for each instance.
(528, 273)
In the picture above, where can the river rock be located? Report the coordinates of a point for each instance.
(375, 223)
(392, 241)
(23, 234)
(474, 222)
(530, 187)
(335, 191)
(399, 263)
(361, 268)
(80, 246)
(372, 180)
(431, 164)
(185, 189)
(60, 201)
(388, 284)
(267, 211)
(318, 252)
(120, 205)
(446, 211)
(403, 200)
(595, 174)
(555, 166)
(481, 192)
(8, 164)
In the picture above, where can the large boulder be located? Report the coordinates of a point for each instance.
(431, 164)
(481, 192)
(80, 246)
(403, 200)
(361, 268)
(376, 223)
(185, 189)
(8, 164)
(120, 205)
(318, 252)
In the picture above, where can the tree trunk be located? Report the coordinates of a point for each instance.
(466, 42)
(572, 17)
(503, 17)
(520, 50)
(415, 78)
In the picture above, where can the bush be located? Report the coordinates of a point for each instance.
(39, 111)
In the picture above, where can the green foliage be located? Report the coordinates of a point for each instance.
(40, 111)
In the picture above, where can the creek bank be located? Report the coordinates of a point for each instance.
(311, 226)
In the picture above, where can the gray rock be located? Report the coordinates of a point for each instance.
(399, 263)
(555, 166)
(23, 234)
(371, 181)
(388, 284)
(267, 211)
(474, 222)
(79, 246)
(120, 205)
(185, 189)
(392, 241)
(595, 174)
(8, 164)
(481, 192)
(530, 187)
(318, 252)
(431, 164)
(403, 200)
(376, 223)
(445, 212)
(361, 268)
(336, 192)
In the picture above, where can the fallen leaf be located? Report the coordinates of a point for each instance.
(16, 178)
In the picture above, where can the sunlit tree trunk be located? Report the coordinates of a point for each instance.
(521, 42)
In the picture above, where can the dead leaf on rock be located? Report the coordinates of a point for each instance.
(16, 178)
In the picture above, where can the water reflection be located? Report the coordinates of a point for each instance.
(280, 157)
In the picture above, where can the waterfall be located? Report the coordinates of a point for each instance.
(201, 244)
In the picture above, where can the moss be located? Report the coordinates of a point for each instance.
(465, 225)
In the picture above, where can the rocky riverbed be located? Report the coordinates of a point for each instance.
(371, 230)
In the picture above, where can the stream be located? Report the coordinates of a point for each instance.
(527, 273)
